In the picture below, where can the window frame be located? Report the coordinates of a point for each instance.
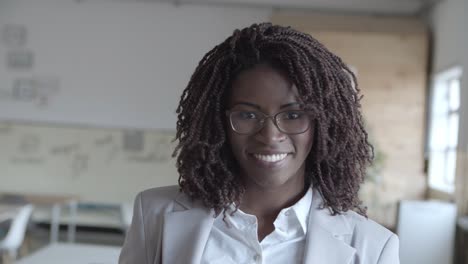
(443, 79)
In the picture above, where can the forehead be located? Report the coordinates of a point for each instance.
(264, 86)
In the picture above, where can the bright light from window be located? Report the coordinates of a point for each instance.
(443, 133)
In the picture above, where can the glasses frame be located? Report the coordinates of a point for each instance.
(274, 118)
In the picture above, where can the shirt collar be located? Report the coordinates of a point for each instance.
(302, 209)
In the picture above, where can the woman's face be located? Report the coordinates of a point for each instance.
(268, 158)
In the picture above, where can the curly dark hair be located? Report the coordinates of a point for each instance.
(341, 152)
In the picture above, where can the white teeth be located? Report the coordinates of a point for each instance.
(271, 158)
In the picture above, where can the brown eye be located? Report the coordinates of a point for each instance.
(292, 115)
(245, 115)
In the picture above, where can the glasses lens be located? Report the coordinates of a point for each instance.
(245, 122)
(293, 122)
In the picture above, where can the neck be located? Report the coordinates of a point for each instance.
(267, 202)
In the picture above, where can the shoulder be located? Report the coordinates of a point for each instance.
(157, 199)
(166, 193)
(371, 240)
(367, 228)
(144, 234)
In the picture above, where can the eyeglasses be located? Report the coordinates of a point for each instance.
(289, 122)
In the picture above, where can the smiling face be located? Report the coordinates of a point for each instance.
(269, 158)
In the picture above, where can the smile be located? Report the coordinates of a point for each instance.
(271, 158)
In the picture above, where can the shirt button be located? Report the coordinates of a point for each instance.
(257, 258)
(287, 213)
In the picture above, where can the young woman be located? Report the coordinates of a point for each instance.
(272, 151)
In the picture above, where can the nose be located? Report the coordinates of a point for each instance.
(270, 133)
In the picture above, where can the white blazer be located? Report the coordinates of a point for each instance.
(169, 228)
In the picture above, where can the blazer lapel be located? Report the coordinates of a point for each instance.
(185, 232)
(326, 234)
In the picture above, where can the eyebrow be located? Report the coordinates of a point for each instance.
(258, 107)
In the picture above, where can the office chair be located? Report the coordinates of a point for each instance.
(15, 235)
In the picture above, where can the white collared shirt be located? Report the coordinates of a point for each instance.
(238, 242)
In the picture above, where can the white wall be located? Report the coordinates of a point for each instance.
(118, 64)
(449, 23)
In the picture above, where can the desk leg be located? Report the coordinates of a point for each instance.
(54, 223)
(72, 221)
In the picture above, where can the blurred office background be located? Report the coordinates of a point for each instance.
(88, 91)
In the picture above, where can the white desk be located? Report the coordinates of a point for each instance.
(60, 253)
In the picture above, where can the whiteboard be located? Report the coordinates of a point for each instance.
(96, 165)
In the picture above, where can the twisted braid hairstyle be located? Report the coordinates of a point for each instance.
(341, 152)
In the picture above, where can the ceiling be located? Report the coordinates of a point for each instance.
(378, 7)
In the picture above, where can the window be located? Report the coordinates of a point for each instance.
(443, 131)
